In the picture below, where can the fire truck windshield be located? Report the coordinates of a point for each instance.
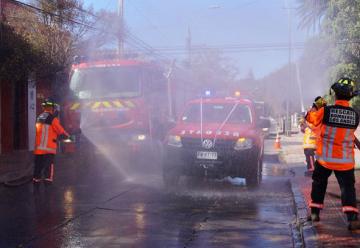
(104, 82)
(218, 113)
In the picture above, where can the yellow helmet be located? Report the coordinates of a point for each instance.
(344, 88)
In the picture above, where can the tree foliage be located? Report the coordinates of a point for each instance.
(49, 33)
(210, 69)
(340, 27)
(53, 28)
(105, 32)
(18, 58)
(311, 12)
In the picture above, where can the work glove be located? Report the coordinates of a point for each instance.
(319, 103)
(64, 136)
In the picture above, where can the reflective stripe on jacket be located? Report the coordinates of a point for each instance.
(335, 146)
(48, 128)
(309, 139)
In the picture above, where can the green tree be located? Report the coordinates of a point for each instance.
(340, 24)
(210, 69)
(56, 31)
(18, 58)
(311, 12)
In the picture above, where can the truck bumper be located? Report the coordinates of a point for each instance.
(229, 163)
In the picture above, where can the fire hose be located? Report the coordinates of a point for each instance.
(19, 177)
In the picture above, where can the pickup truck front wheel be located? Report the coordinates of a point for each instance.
(253, 174)
(171, 176)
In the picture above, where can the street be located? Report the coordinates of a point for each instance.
(97, 206)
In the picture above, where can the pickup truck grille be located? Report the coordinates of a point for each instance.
(220, 144)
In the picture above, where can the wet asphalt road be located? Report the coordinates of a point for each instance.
(99, 206)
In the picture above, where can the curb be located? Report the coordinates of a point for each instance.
(16, 174)
(307, 230)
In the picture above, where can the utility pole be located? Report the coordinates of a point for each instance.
(189, 45)
(298, 80)
(1, 21)
(1, 10)
(121, 28)
(288, 117)
(169, 90)
(1, 43)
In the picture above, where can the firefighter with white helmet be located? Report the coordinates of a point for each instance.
(48, 128)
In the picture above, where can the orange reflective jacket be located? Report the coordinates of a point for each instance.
(309, 139)
(335, 144)
(48, 128)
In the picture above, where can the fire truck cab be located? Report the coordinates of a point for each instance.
(216, 137)
(116, 101)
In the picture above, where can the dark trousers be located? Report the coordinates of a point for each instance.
(346, 180)
(43, 165)
(310, 157)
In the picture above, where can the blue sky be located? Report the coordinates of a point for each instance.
(166, 22)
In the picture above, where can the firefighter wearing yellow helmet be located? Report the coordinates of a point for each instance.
(335, 151)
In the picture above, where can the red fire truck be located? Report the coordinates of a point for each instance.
(120, 102)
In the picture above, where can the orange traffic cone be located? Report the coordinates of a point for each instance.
(277, 144)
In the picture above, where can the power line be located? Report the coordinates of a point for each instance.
(132, 39)
(22, 4)
(90, 27)
(173, 53)
(139, 43)
(161, 52)
(230, 46)
(147, 19)
(76, 7)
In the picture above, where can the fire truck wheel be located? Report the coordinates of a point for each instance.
(254, 175)
(171, 177)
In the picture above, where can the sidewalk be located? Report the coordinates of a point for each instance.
(331, 231)
(15, 165)
(292, 154)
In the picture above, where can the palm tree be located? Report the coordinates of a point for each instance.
(311, 12)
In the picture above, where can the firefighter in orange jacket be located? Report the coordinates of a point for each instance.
(310, 136)
(335, 151)
(48, 128)
(309, 145)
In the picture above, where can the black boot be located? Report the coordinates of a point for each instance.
(315, 215)
(353, 221)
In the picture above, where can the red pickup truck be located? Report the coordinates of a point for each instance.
(216, 137)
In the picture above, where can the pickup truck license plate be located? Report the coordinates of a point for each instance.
(207, 155)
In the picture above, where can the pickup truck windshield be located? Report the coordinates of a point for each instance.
(103, 82)
(217, 113)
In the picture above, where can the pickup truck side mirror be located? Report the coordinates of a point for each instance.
(264, 123)
(171, 123)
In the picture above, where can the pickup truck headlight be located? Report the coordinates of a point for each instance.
(139, 137)
(70, 139)
(243, 144)
(174, 140)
